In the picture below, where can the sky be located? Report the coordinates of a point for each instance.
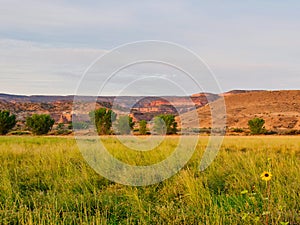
(47, 46)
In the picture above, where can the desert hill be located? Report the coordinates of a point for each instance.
(280, 109)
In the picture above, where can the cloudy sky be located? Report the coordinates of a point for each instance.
(46, 46)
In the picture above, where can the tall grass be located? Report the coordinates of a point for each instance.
(45, 180)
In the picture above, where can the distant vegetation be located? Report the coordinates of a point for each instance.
(256, 126)
(238, 130)
(103, 119)
(40, 123)
(79, 125)
(61, 129)
(7, 121)
(165, 124)
(125, 124)
(143, 127)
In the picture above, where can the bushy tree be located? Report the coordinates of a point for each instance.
(103, 119)
(159, 125)
(143, 127)
(256, 126)
(125, 124)
(7, 121)
(40, 123)
(165, 124)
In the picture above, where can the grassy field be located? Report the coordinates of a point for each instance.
(45, 180)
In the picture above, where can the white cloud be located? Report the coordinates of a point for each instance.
(27, 67)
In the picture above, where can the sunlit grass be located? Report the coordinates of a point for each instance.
(45, 180)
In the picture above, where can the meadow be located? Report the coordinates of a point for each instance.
(45, 180)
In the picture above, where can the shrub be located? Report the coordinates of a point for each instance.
(143, 127)
(291, 132)
(40, 123)
(62, 130)
(19, 132)
(7, 121)
(237, 130)
(270, 132)
(125, 124)
(165, 124)
(103, 118)
(78, 126)
(256, 126)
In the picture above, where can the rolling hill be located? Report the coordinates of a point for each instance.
(280, 109)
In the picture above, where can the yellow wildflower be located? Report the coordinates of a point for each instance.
(266, 176)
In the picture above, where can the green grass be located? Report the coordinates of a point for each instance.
(45, 180)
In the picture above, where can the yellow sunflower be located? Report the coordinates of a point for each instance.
(266, 176)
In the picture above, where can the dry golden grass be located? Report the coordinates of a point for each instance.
(45, 180)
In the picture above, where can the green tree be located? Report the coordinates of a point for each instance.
(103, 119)
(125, 124)
(7, 121)
(40, 123)
(256, 126)
(159, 125)
(143, 127)
(165, 124)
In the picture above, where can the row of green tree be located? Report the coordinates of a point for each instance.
(163, 124)
(38, 124)
(102, 118)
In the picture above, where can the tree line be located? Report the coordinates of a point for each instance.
(102, 119)
(37, 123)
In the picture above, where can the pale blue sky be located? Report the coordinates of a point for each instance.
(45, 46)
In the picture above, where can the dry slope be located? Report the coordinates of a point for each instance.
(280, 109)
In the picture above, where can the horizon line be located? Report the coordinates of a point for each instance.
(73, 95)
